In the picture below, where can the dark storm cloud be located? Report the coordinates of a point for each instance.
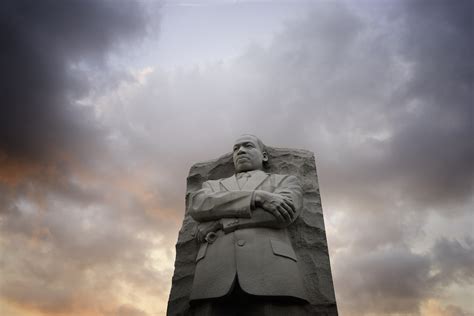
(397, 279)
(395, 107)
(68, 222)
(433, 145)
(392, 279)
(429, 154)
(51, 52)
(454, 261)
(424, 164)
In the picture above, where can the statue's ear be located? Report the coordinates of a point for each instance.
(265, 156)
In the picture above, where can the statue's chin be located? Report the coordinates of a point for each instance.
(244, 167)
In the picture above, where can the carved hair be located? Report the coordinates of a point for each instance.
(262, 146)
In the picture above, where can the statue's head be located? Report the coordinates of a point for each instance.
(249, 153)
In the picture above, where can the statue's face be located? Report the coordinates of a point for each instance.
(248, 155)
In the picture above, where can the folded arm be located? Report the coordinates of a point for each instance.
(277, 209)
(258, 208)
(207, 205)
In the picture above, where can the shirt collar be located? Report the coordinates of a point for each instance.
(251, 173)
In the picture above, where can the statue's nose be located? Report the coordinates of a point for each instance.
(241, 150)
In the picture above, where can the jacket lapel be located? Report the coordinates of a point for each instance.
(230, 184)
(254, 181)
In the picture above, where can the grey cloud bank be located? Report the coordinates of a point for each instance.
(54, 53)
(381, 92)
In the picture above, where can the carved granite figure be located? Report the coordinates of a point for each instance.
(246, 264)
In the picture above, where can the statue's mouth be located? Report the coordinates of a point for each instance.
(243, 158)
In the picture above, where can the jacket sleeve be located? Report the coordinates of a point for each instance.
(209, 205)
(289, 187)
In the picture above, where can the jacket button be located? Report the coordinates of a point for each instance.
(240, 242)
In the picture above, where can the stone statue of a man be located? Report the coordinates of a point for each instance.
(246, 264)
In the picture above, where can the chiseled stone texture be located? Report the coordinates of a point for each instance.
(307, 232)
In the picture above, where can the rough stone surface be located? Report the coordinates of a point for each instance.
(307, 232)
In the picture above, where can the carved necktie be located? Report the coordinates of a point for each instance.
(243, 178)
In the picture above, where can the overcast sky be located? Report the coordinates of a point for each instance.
(105, 105)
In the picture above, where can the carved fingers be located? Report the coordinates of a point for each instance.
(287, 209)
(279, 206)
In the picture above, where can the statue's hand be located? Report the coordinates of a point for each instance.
(279, 206)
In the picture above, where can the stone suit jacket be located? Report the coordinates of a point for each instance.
(256, 248)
